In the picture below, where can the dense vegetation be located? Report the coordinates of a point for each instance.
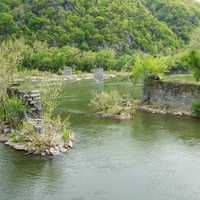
(12, 111)
(112, 104)
(181, 16)
(87, 34)
(185, 62)
(147, 25)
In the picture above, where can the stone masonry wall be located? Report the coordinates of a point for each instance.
(171, 97)
(33, 101)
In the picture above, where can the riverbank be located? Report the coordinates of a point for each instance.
(158, 110)
(53, 150)
(74, 77)
(41, 80)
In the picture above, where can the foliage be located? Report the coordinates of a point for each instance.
(54, 59)
(50, 102)
(88, 34)
(10, 56)
(185, 61)
(111, 103)
(12, 111)
(196, 109)
(195, 39)
(193, 61)
(147, 65)
(180, 16)
(148, 25)
(50, 95)
(55, 131)
(177, 63)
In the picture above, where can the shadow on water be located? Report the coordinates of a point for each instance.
(29, 177)
(181, 127)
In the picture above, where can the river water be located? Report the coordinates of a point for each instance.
(151, 157)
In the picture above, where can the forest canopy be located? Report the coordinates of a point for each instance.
(147, 25)
(97, 33)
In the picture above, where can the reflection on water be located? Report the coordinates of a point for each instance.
(151, 157)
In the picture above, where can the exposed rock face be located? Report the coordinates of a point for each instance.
(171, 97)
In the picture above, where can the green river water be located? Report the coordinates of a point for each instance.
(152, 157)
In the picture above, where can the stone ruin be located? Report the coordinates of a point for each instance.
(34, 116)
(67, 71)
(99, 75)
(32, 99)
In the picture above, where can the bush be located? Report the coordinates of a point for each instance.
(12, 111)
(196, 109)
(56, 132)
(193, 61)
(111, 103)
(10, 56)
(106, 59)
(147, 65)
(104, 101)
(125, 62)
(177, 64)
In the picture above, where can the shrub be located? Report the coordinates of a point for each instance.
(10, 56)
(147, 65)
(125, 62)
(49, 99)
(196, 109)
(12, 111)
(105, 59)
(54, 132)
(111, 103)
(104, 101)
(193, 61)
(177, 63)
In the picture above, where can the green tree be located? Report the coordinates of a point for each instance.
(7, 25)
(193, 61)
(147, 65)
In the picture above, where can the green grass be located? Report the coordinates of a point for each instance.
(181, 78)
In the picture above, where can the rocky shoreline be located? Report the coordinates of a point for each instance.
(122, 116)
(156, 110)
(60, 147)
(73, 77)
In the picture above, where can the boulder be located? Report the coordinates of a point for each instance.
(53, 151)
(70, 144)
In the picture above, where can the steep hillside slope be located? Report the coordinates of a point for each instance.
(181, 16)
(152, 26)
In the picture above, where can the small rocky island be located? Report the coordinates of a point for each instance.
(112, 105)
(34, 133)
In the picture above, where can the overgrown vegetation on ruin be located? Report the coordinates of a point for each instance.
(111, 104)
